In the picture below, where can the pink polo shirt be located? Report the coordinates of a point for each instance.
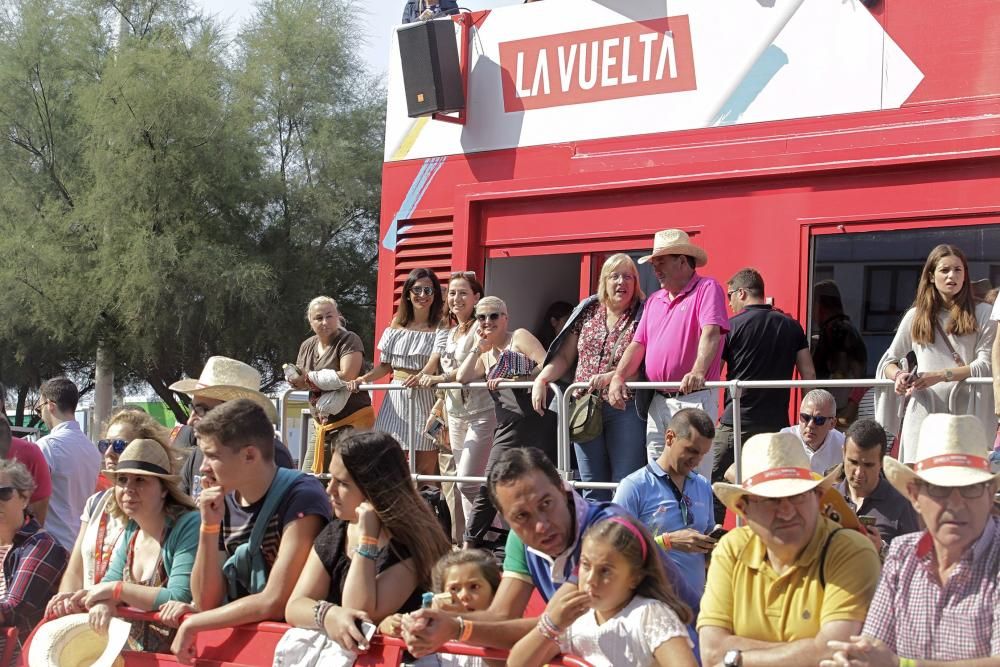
(670, 329)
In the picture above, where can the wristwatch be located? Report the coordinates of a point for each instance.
(733, 658)
(948, 375)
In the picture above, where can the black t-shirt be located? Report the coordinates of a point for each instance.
(762, 344)
(329, 547)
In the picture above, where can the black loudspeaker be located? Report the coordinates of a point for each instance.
(432, 77)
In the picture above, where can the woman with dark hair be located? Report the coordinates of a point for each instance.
(553, 322)
(376, 557)
(952, 338)
(406, 350)
(471, 419)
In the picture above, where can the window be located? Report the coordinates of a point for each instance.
(889, 292)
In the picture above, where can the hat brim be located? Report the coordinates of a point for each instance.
(73, 634)
(901, 475)
(700, 256)
(226, 392)
(729, 494)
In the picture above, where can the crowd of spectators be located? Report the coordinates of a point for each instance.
(847, 555)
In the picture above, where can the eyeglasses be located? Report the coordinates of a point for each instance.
(819, 420)
(117, 446)
(421, 291)
(38, 407)
(624, 277)
(730, 293)
(492, 317)
(772, 504)
(970, 492)
(7, 492)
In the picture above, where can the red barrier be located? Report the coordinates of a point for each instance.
(253, 645)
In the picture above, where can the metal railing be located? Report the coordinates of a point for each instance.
(563, 396)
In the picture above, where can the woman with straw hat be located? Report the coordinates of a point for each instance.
(100, 529)
(32, 559)
(152, 566)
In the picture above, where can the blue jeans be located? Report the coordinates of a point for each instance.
(617, 452)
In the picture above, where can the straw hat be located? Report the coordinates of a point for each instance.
(774, 466)
(675, 242)
(952, 450)
(69, 642)
(225, 379)
(144, 457)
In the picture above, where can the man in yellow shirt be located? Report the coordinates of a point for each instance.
(782, 586)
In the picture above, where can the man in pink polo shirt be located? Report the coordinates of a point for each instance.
(679, 337)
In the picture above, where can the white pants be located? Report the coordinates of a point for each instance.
(663, 409)
(471, 440)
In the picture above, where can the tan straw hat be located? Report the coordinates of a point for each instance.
(144, 457)
(952, 450)
(70, 642)
(675, 242)
(774, 466)
(225, 379)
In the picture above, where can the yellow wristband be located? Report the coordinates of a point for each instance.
(663, 541)
(907, 662)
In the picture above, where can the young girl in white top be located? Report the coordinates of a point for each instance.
(623, 611)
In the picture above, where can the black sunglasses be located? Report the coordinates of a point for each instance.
(117, 446)
(818, 419)
(7, 492)
(492, 317)
(421, 291)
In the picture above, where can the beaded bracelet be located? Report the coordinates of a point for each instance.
(365, 551)
(545, 631)
(320, 610)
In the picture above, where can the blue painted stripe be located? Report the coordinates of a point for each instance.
(422, 181)
(761, 74)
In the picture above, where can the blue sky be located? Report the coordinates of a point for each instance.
(380, 17)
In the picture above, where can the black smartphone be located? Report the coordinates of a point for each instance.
(911, 363)
(718, 533)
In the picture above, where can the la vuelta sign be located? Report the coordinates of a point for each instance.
(611, 62)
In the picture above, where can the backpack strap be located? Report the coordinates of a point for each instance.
(282, 481)
(822, 556)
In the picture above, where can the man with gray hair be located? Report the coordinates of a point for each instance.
(822, 442)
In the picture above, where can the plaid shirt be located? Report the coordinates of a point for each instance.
(921, 619)
(32, 570)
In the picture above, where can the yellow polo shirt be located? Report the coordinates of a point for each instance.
(747, 597)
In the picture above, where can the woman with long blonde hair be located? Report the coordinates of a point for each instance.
(952, 338)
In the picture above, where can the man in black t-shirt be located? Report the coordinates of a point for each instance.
(237, 441)
(762, 344)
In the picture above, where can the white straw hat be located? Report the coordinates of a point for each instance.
(952, 450)
(70, 642)
(225, 379)
(675, 242)
(774, 466)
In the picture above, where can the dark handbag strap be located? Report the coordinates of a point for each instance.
(947, 341)
(822, 557)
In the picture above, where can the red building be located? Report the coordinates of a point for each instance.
(810, 139)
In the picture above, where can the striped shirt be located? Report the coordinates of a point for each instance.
(919, 618)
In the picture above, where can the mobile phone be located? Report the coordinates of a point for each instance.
(868, 521)
(435, 428)
(718, 533)
(367, 629)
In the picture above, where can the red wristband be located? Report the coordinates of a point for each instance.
(116, 592)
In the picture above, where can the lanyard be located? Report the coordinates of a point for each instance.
(683, 502)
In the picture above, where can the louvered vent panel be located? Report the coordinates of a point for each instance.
(426, 243)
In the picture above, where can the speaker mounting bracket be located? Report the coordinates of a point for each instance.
(464, 63)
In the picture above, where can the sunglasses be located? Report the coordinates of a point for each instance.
(492, 317)
(7, 492)
(421, 291)
(819, 420)
(117, 446)
(970, 492)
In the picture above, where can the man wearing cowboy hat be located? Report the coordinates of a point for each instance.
(223, 379)
(679, 338)
(937, 601)
(790, 580)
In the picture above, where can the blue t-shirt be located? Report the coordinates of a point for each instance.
(647, 495)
